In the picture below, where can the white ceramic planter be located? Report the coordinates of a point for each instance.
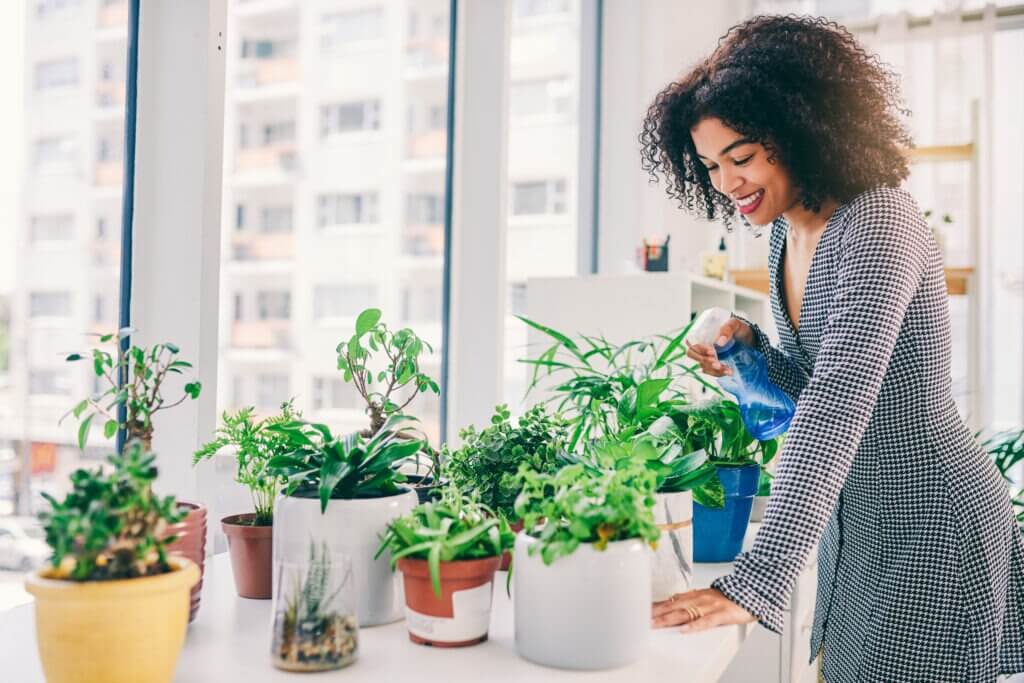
(590, 610)
(672, 561)
(352, 527)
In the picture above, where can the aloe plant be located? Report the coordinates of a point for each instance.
(456, 527)
(318, 463)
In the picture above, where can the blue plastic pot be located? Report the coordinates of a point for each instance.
(718, 532)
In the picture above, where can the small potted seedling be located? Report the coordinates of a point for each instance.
(113, 601)
(581, 580)
(314, 626)
(487, 463)
(134, 379)
(448, 551)
(250, 535)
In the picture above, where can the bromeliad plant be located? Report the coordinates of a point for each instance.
(487, 464)
(456, 527)
(391, 388)
(576, 505)
(111, 525)
(256, 445)
(316, 463)
(133, 378)
(609, 390)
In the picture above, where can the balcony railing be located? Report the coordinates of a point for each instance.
(277, 247)
(258, 72)
(281, 156)
(261, 334)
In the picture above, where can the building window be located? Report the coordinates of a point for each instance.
(44, 8)
(539, 8)
(239, 309)
(546, 97)
(267, 49)
(421, 303)
(538, 197)
(58, 73)
(517, 298)
(349, 117)
(49, 304)
(108, 149)
(346, 209)
(54, 152)
(278, 132)
(340, 29)
(342, 300)
(333, 393)
(275, 219)
(424, 209)
(55, 228)
(271, 391)
(48, 382)
(274, 305)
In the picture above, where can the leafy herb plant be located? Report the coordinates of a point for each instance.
(576, 505)
(256, 445)
(456, 527)
(134, 378)
(111, 525)
(487, 464)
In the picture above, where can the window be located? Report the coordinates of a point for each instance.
(54, 152)
(48, 382)
(538, 197)
(525, 9)
(346, 209)
(547, 97)
(271, 391)
(53, 228)
(56, 74)
(46, 8)
(334, 393)
(348, 117)
(342, 300)
(424, 209)
(276, 219)
(267, 49)
(49, 304)
(341, 29)
(421, 304)
(274, 305)
(279, 131)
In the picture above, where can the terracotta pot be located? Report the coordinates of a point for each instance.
(506, 557)
(191, 543)
(462, 615)
(252, 552)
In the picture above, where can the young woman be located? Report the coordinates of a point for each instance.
(920, 561)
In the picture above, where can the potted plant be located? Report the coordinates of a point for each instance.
(448, 551)
(344, 491)
(1007, 450)
(722, 505)
(133, 380)
(112, 607)
(486, 465)
(581, 579)
(314, 626)
(250, 535)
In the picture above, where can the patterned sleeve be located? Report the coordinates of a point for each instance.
(782, 371)
(882, 258)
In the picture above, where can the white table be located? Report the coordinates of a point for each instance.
(230, 641)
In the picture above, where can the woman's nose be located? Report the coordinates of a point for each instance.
(730, 183)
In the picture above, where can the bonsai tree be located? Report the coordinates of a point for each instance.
(256, 445)
(390, 388)
(133, 378)
(487, 464)
(111, 525)
(456, 527)
(575, 505)
(316, 463)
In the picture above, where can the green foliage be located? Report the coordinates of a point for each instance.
(318, 463)
(577, 505)
(111, 525)
(606, 389)
(311, 596)
(133, 378)
(456, 527)
(1007, 450)
(382, 390)
(256, 444)
(487, 464)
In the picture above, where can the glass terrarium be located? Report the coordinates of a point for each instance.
(315, 627)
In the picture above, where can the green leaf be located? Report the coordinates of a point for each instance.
(80, 408)
(110, 428)
(193, 389)
(367, 320)
(83, 431)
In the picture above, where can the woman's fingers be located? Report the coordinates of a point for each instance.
(707, 358)
(698, 610)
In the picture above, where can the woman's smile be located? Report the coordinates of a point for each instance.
(749, 203)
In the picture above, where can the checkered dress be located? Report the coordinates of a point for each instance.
(921, 563)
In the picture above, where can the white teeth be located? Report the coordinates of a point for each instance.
(750, 199)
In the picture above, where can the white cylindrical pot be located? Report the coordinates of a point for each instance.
(353, 527)
(672, 561)
(590, 610)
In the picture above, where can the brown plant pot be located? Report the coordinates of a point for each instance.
(191, 543)
(252, 551)
(506, 557)
(462, 614)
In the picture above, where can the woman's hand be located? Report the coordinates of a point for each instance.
(698, 610)
(706, 355)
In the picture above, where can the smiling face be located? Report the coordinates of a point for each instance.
(739, 168)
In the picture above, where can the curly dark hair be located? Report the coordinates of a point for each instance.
(801, 86)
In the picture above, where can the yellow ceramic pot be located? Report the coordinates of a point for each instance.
(122, 631)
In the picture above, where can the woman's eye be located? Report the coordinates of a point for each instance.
(740, 162)
(711, 168)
